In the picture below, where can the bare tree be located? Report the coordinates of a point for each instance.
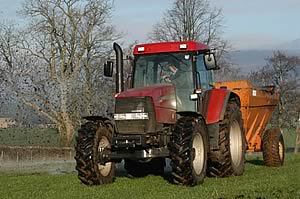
(63, 47)
(281, 71)
(228, 71)
(191, 20)
(197, 20)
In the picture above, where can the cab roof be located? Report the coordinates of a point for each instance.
(165, 47)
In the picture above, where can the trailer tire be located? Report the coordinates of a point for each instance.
(273, 148)
(137, 168)
(94, 137)
(230, 158)
(188, 151)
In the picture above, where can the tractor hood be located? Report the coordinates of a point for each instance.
(163, 97)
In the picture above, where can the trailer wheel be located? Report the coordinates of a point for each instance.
(273, 148)
(230, 158)
(137, 168)
(93, 138)
(188, 151)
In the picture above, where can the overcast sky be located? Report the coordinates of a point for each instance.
(248, 24)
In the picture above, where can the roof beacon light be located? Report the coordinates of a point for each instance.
(141, 49)
(183, 46)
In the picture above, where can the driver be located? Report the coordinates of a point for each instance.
(170, 73)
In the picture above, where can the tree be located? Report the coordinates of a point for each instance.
(14, 64)
(60, 53)
(283, 72)
(196, 20)
(191, 20)
(228, 71)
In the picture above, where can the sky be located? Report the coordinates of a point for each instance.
(248, 24)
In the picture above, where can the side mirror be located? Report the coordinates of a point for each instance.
(108, 69)
(210, 61)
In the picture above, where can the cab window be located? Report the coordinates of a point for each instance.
(204, 77)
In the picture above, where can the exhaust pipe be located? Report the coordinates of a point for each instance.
(119, 68)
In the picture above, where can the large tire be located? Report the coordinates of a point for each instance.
(188, 151)
(92, 139)
(230, 158)
(273, 148)
(137, 168)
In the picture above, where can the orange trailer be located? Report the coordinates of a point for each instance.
(257, 105)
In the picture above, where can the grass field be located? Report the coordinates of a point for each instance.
(257, 182)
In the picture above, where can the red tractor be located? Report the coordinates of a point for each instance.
(171, 110)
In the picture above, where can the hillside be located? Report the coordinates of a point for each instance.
(251, 60)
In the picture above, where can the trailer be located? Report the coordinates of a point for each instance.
(257, 106)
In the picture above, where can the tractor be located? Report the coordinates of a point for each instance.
(172, 109)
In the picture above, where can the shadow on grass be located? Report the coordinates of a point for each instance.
(121, 172)
(256, 162)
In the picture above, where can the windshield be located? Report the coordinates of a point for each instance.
(167, 68)
(162, 68)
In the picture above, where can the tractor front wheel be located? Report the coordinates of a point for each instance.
(93, 139)
(188, 151)
(273, 148)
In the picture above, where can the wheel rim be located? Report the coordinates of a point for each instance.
(281, 150)
(104, 169)
(198, 146)
(236, 148)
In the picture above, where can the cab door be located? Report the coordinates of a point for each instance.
(203, 79)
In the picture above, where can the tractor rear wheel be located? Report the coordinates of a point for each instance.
(188, 151)
(230, 158)
(273, 148)
(93, 138)
(137, 168)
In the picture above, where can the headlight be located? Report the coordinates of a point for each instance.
(131, 116)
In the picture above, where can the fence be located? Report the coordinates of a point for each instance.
(35, 153)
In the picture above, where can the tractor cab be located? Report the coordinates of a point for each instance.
(181, 64)
(185, 65)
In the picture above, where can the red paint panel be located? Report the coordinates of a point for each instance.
(164, 47)
(165, 116)
(163, 98)
(215, 104)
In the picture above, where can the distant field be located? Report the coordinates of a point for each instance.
(257, 182)
(29, 137)
(289, 138)
(50, 137)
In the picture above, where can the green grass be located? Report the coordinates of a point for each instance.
(257, 182)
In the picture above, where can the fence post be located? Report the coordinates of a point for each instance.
(2, 155)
